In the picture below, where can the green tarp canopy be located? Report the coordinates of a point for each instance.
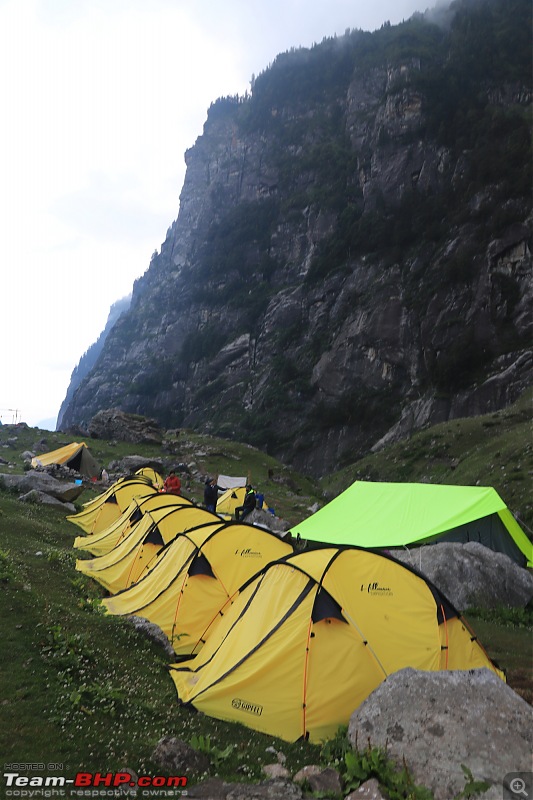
(389, 515)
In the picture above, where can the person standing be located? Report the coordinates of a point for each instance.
(211, 491)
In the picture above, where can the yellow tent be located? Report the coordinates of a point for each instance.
(312, 635)
(75, 456)
(100, 498)
(97, 517)
(136, 554)
(104, 541)
(228, 502)
(195, 577)
(152, 475)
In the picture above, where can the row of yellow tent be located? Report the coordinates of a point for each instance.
(285, 642)
(106, 508)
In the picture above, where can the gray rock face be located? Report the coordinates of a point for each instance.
(437, 721)
(471, 575)
(268, 317)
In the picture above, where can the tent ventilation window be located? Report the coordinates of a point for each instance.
(154, 537)
(325, 607)
(201, 566)
(136, 516)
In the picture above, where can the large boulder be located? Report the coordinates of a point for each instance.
(437, 721)
(154, 633)
(34, 496)
(112, 423)
(264, 519)
(471, 575)
(130, 464)
(34, 480)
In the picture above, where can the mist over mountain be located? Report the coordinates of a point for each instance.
(90, 357)
(351, 260)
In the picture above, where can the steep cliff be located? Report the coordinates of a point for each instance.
(352, 254)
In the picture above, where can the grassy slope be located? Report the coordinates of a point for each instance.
(100, 692)
(491, 450)
(80, 688)
(87, 691)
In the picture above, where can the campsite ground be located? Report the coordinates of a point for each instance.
(88, 692)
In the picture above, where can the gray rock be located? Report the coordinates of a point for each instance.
(27, 455)
(276, 771)
(217, 789)
(68, 492)
(326, 780)
(437, 721)
(265, 519)
(112, 423)
(154, 633)
(471, 574)
(367, 791)
(41, 446)
(34, 496)
(13, 482)
(178, 758)
(278, 789)
(130, 464)
(38, 481)
(211, 789)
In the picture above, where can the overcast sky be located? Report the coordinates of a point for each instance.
(100, 100)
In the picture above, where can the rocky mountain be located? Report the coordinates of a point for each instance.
(352, 255)
(89, 358)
